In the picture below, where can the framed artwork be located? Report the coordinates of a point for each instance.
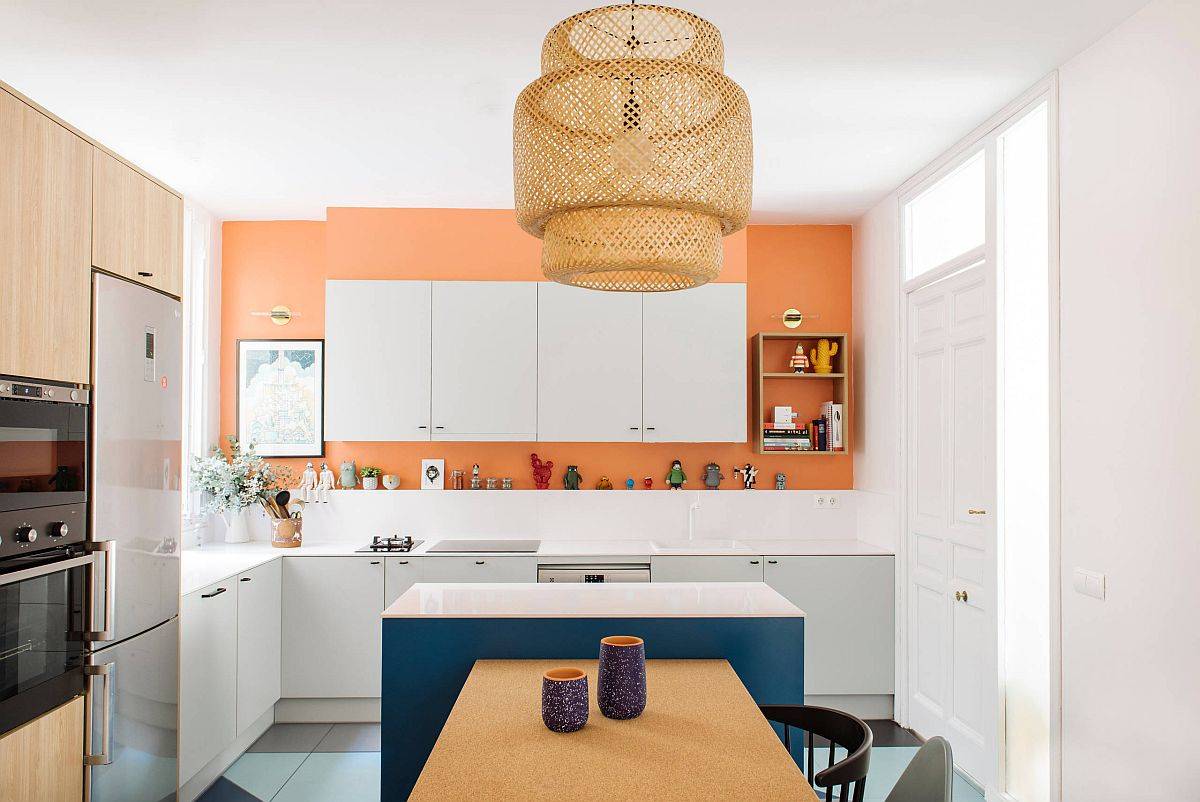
(281, 397)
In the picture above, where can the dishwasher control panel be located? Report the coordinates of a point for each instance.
(639, 572)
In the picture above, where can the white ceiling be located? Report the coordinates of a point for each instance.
(276, 110)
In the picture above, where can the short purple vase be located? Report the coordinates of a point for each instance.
(621, 686)
(565, 699)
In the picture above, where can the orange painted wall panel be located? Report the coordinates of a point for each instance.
(268, 263)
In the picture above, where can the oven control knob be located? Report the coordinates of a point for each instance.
(26, 534)
(59, 529)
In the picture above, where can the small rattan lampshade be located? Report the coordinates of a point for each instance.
(632, 153)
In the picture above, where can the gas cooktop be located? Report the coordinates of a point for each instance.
(395, 543)
(522, 546)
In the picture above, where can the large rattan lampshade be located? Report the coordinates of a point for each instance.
(632, 152)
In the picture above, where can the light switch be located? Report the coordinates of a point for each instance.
(1089, 583)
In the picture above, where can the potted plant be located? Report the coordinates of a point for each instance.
(370, 477)
(235, 482)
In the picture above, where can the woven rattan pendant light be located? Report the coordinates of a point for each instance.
(632, 152)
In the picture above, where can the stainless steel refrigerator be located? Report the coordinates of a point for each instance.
(137, 423)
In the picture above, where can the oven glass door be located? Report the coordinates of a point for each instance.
(43, 451)
(43, 604)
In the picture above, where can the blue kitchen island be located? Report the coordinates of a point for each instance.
(434, 633)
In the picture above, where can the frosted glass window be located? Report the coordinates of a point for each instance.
(947, 220)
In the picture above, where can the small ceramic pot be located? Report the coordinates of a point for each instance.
(370, 482)
(564, 699)
(391, 481)
(621, 685)
(285, 533)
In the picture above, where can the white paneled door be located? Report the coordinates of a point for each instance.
(951, 526)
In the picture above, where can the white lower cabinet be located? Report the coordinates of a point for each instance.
(403, 572)
(332, 630)
(849, 624)
(706, 569)
(208, 675)
(259, 640)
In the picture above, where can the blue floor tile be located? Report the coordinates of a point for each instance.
(264, 773)
(341, 776)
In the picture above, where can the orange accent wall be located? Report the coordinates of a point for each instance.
(287, 262)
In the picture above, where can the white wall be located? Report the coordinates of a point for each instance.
(1130, 274)
(876, 281)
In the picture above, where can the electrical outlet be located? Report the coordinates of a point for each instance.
(832, 502)
(819, 502)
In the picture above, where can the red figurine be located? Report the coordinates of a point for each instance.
(541, 472)
(648, 482)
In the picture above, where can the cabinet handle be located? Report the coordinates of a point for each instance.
(439, 427)
(976, 512)
(216, 592)
(649, 428)
(244, 579)
(145, 274)
(404, 562)
(422, 427)
(480, 562)
(772, 562)
(634, 428)
(374, 562)
(754, 562)
(104, 756)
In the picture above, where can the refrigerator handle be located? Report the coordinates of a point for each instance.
(104, 756)
(108, 549)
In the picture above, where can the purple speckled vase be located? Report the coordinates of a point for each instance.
(565, 699)
(621, 686)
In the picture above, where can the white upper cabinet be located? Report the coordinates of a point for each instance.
(377, 360)
(589, 368)
(485, 360)
(694, 365)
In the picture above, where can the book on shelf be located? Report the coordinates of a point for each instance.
(820, 435)
(831, 413)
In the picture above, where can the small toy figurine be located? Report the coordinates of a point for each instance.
(349, 474)
(713, 476)
(647, 483)
(749, 475)
(506, 483)
(476, 482)
(629, 483)
(541, 472)
(572, 478)
(799, 361)
(822, 356)
(456, 480)
(604, 484)
(324, 484)
(308, 483)
(781, 481)
(676, 478)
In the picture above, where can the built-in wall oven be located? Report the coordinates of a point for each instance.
(48, 577)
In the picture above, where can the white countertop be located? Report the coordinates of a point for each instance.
(622, 600)
(214, 562)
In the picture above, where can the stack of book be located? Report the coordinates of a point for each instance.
(786, 440)
(823, 434)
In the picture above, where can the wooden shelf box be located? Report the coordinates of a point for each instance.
(776, 385)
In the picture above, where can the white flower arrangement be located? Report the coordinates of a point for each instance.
(235, 482)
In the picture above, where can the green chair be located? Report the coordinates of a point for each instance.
(929, 777)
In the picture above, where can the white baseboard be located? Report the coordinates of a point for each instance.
(303, 711)
(208, 775)
(861, 705)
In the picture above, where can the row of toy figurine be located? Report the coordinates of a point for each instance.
(313, 487)
(820, 358)
(676, 478)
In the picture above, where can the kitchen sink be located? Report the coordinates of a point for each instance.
(699, 544)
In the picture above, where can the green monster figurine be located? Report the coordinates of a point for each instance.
(676, 478)
(572, 479)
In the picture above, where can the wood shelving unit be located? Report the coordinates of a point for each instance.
(778, 386)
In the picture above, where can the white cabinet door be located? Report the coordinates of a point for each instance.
(208, 675)
(331, 626)
(400, 575)
(377, 360)
(849, 624)
(484, 360)
(478, 569)
(259, 635)
(706, 569)
(589, 365)
(694, 365)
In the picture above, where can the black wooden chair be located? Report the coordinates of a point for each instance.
(847, 776)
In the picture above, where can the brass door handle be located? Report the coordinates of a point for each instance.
(960, 595)
(976, 512)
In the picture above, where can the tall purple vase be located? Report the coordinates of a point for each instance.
(564, 699)
(621, 687)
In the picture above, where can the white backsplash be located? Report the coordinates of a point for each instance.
(356, 515)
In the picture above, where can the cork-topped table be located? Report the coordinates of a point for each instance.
(702, 737)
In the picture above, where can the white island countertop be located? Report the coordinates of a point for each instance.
(578, 600)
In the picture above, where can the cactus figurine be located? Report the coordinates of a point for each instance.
(822, 356)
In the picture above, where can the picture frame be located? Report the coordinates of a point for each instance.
(281, 396)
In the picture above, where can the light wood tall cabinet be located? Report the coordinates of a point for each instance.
(137, 226)
(42, 761)
(45, 229)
